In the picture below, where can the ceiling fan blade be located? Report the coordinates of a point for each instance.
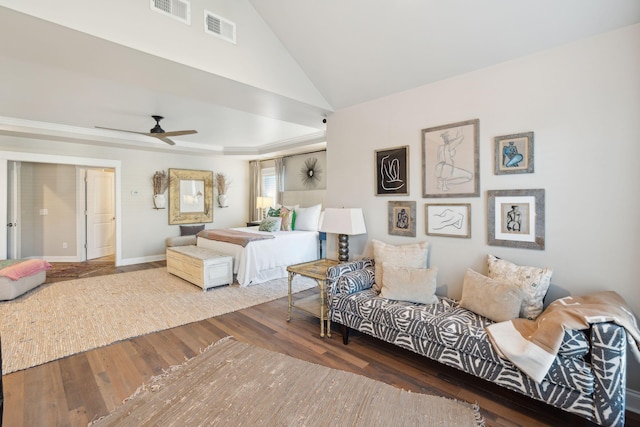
(164, 139)
(122, 130)
(180, 132)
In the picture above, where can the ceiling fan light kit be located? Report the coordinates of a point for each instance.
(157, 131)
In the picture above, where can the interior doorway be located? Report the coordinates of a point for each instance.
(99, 213)
(80, 162)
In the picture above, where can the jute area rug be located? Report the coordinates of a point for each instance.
(236, 384)
(63, 318)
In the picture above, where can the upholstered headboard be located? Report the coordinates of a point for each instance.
(304, 198)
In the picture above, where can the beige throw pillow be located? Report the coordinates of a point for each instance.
(533, 281)
(490, 298)
(414, 255)
(409, 284)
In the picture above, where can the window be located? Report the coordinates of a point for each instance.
(268, 182)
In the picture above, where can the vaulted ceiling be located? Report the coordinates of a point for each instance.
(66, 69)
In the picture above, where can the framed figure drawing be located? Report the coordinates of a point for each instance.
(392, 171)
(516, 218)
(402, 218)
(514, 153)
(190, 196)
(450, 165)
(450, 220)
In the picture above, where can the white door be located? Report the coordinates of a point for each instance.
(100, 213)
(13, 211)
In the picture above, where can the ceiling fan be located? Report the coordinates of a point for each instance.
(157, 131)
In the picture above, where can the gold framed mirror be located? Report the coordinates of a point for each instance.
(190, 196)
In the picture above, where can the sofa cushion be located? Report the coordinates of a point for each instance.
(413, 256)
(409, 284)
(190, 230)
(534, 282)
(490, 298)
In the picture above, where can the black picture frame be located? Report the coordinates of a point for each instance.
(392, 171)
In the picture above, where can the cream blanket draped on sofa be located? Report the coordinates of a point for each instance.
(532, 345)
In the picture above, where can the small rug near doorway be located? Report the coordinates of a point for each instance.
(73, 270)
(236, 384)
(65, 318)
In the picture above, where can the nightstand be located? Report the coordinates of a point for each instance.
(253, 223)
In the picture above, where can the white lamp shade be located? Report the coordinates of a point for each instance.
(264, 202)
(343, 221)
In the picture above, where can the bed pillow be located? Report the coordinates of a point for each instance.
(288, 218)
(308, 218)
(190, 230)
(273, 212)
(493, 299)
(409, 284)
(414, 255)
(533, 281)
(271, 224)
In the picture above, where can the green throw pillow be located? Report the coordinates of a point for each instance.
(273, 212)
(270, 224)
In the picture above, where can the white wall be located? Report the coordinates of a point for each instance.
(144, 228)
(582, 101)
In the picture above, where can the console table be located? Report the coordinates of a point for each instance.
(314, 304)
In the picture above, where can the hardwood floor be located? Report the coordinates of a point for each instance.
(80, 388)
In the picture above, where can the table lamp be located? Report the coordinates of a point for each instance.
(343, 222)
(263, 203)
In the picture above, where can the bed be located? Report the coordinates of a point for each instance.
(264, 260)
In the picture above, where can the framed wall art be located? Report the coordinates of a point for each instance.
(516, 218)
(190, 196)
(392, 171)
(514, 153)
(450, 220)
(450, 165)
(402, 218)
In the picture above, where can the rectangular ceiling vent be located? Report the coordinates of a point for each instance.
(178, 9)
(220, 27)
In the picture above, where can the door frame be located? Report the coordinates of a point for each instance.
(116, 165)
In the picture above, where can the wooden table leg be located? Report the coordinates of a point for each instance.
(290, 299)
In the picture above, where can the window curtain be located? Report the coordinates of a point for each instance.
(254, 188)
(279, 179)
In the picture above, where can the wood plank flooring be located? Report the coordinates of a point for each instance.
(80, 388)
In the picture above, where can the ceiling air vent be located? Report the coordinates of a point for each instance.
(179, 9)
(220, 27)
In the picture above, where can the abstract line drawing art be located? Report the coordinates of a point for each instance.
(392, 171)
(390, 174)
(450, 220)
(450, 164)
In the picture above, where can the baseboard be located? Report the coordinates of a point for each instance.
(142, 260)
(633, 401)
(62, 258)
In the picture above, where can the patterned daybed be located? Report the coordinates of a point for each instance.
(586, 378)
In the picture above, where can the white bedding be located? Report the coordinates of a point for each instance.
(264, 260)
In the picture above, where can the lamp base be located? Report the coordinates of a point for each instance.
(343, 248)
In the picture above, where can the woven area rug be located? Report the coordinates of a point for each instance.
(236, 384)
(63, 318)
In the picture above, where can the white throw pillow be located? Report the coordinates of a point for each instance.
(308, 218)
(490, 298)
(271, 224)
(533, 281)
(409, 284)
(415, 255)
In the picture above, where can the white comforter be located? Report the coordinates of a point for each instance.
(264, 260)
